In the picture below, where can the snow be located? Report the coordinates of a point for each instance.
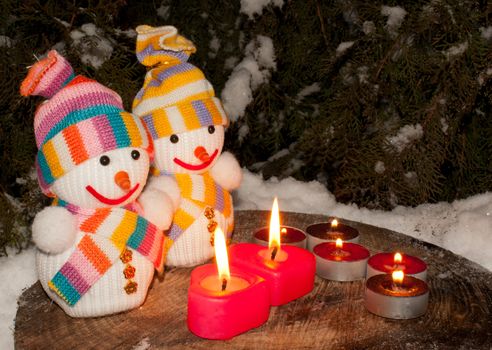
(62, 22)
(368, 27)
(486, 32)
(253, 7)
(5, 41)
(362, 74)
(263, 51)
(282, 153)
(350, 14)
(396, 15)
(464, 227)
(483, 76)
(379, 167)
(130, 33)
(230, 62)
(243, 132)
(93, 48)
(214, 44)
(444, 125)
(254, 70)
(18, 273)
(237, 94)
(405, 136)
(456, 50)
(164, 11)
(308, 90)
(342, 47)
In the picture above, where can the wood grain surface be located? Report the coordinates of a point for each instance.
(332, 316)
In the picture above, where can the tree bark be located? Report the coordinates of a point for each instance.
(331, 316)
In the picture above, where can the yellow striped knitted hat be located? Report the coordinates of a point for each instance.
(176, 96)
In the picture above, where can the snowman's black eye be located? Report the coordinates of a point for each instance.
(135, 154)
(211, 129)
(174, 138)
(104, 160)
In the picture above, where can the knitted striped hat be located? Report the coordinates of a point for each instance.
(81, 120)
(175, 96)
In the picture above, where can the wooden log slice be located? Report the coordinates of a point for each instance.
(331, 317)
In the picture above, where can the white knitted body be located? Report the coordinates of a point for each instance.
(193, 245)
(92, 155)
(106, 296)
(187, 122)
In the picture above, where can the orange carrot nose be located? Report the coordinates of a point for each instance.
(201, 153)
(122, 180)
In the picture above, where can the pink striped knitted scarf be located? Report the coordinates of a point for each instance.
(107, 233)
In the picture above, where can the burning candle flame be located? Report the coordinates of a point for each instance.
(397, 258)
(283, 231)
(339, 243)
(334, 223)
(398, 276)
(274, 233)
(221, 257)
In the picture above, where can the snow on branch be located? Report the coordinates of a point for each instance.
(456, 50)
(252, 7)
(255, 69)
(405, 136)
(94, 49)
(396, 15)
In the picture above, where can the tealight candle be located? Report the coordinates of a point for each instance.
(223, 302)
(396, 295)
(288, 270)
(329, 232)
(289, 236)
(383, 263)
(340, 261)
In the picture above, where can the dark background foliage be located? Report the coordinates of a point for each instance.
(340, 135)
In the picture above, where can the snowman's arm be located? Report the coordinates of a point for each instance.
(227, 172)
(168, 185)
(54, 230)
(157, 207)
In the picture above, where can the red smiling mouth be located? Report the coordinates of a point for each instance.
(199, 166)
(110, 201)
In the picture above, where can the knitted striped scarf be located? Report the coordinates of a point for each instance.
(198, 192)
(108, 231)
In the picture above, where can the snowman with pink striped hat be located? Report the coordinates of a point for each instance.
(187, 124)
(102, 239)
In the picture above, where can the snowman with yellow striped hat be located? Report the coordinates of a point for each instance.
(187, 124)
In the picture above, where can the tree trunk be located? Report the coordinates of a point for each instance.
(331, 316)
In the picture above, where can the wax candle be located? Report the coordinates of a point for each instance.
(383, 263)
(289, 236)
(290, 275)
(340, 261)
(223, 302)
(396, 296)
(288, 270)
(322, 232)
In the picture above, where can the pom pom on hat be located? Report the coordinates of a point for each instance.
(47, 76)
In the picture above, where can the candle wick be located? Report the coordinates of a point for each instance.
(397, 287)
(224, 284)
(274, 252)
